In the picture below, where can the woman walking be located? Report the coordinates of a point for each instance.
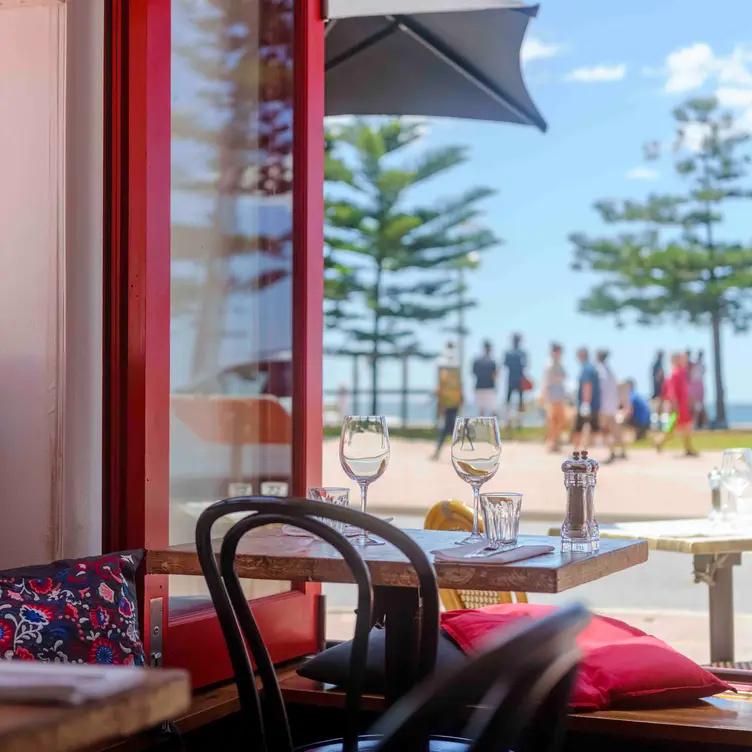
(554, 394)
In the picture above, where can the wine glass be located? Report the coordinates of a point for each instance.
(736, 472)
(364, 455)
(476, 450)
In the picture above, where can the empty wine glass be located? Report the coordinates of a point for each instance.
(476, 450)
(364, 455)
(736, 472)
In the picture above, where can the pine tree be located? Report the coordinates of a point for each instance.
(674, 264)
(387, 257)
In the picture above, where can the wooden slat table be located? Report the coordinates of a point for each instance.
(714, 556)
(269, 554)
(158, 696)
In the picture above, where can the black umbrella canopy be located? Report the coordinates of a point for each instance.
(435, 58)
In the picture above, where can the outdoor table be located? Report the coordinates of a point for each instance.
(269, 554)
(714, 557)
(154, 696)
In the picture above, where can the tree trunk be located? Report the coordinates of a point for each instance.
(720, 400)
(375, 350)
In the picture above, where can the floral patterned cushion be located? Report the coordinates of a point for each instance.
(72, 611)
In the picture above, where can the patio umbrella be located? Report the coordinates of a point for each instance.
(442, 58)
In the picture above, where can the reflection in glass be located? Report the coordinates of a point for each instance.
(231, 253)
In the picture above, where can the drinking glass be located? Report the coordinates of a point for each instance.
(736, 472)
(329, 495)
(364, 456)
(476, 449)
(501, 518)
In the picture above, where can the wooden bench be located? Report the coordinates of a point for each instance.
(724, 720)
(718, 721)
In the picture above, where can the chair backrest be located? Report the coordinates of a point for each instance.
(454, 515)
(267, 717)
(525, 676)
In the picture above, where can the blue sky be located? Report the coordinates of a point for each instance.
(605, 75)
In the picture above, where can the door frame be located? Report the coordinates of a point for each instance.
(136, 446)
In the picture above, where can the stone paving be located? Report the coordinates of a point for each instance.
(645, 486)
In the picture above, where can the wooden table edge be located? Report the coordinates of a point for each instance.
(125, 713)
(515, 576)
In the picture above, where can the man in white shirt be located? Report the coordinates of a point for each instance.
(610, 428)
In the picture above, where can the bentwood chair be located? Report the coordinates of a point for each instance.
(267, 718)
(454, 515)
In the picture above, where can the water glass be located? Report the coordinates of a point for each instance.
(364, 456)
(476, 451)
(331, 495)
(501, 518)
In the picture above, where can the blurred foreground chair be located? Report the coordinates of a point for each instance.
(454, 515)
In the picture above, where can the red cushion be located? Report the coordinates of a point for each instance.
(621, 665)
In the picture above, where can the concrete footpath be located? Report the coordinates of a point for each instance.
(685, 631)
(646, 486)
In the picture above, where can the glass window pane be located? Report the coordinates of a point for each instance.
(231, 290)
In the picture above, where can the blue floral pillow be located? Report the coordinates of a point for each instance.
(72, 611)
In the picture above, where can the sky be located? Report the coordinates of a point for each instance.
(605, 76)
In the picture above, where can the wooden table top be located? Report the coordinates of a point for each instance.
(695, 536)
(157, 696)
(269, 554)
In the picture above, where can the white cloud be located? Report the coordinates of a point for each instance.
(598, 73)
(734, 97)
(536, 49)
(643, 173)
(698, 69)
(689, 68)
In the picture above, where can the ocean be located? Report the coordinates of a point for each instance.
(422, 411)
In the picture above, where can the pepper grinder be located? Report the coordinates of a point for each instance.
(595, 533)
(575, 531)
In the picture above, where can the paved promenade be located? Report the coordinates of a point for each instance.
(645, 486)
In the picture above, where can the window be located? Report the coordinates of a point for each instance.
(217, 391)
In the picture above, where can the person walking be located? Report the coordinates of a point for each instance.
(609, 389)
(637, 412)
(697, 390)
(515, 361)
(658, 376)
(448, 396)
(554, 394)
(485, 371)
(677, 395)
(588, 401)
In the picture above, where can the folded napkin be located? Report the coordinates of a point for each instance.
(502, 556)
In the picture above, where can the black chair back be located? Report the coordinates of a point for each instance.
(267, 716)
(520, 687)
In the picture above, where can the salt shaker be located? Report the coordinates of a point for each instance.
(575, 531)
(595, 533)
(716, 504)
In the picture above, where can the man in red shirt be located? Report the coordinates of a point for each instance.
(676, 391)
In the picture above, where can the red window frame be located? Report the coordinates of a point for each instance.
(137, 320)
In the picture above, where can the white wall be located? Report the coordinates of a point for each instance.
(50, 285)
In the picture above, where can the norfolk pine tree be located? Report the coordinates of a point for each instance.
(375, 234)
(673, 264)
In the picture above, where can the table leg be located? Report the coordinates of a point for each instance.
(399, 609)
(716, 571)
